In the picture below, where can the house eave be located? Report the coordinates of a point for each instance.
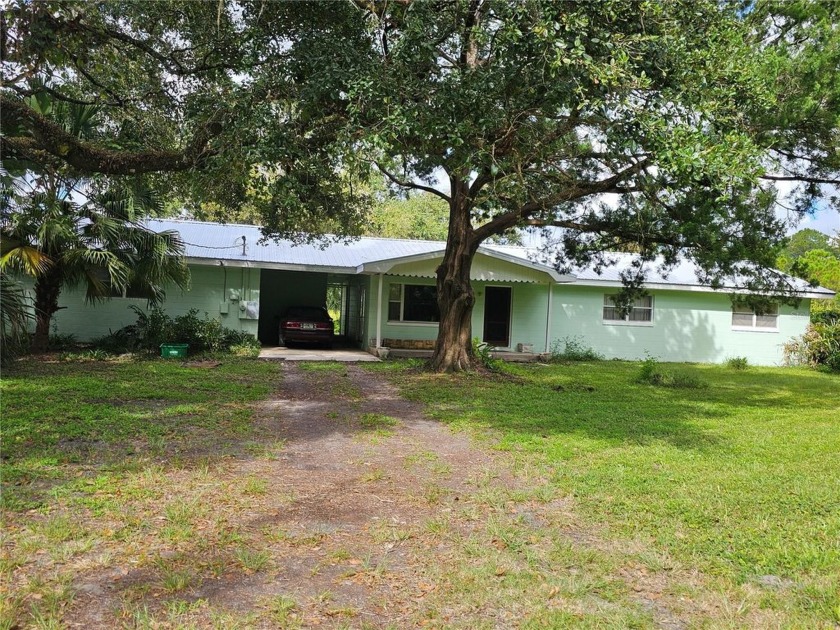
(695, 288)
(231, 263)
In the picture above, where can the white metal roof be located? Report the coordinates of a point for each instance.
(239, 245)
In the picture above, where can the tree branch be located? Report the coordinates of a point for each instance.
(50, 138)
(414, 185)
(508, 220)
(801, 178)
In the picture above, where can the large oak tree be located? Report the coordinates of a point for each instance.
(650, 126)
(655, 127)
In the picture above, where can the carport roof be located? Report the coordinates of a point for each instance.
(209, 243)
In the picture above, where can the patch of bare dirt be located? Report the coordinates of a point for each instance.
(340, 518)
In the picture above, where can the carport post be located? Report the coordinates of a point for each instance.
(379, 314)
(548, 318)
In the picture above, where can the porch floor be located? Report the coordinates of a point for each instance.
(513, 357)
(345, 355)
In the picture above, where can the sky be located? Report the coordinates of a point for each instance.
(825, 220)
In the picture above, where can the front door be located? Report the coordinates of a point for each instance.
(497, 316)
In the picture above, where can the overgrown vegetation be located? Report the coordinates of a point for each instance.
(14, 319)
(156, 327)
(819, 347)
(572, 349)
(652, 372)
(737, 363)
(483, 354)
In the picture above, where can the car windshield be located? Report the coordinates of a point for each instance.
(306, 312)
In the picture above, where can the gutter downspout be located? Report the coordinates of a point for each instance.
(379, 315)
(548, 319)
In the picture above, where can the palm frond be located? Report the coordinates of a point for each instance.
(25, 259)
(16, 313)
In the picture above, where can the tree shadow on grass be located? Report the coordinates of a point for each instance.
(603, 401)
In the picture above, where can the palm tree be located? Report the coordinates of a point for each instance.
(98, 245)
(65, 231)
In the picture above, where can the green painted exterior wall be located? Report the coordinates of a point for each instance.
(207, 292)
(529, 304)
(689, 326)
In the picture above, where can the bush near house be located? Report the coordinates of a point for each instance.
(572, 349)
(818, 347)
(201, 335)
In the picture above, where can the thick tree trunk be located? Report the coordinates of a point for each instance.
(47, 289)
(453, 349)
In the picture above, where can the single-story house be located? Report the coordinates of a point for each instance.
(385, 289)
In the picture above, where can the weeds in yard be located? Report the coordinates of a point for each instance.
(252, 560)
(484, 355)
(437, 526)
(665, 486)
(572, 349)
(737, 363)
(653, 373)
(281, 608)
(386, 532)
(59, 528)
(341, 555)
(175, 579)
(378, 426)
(255, 486)
(223, 620)
(377, 474)
(377, 421)
(434, 493)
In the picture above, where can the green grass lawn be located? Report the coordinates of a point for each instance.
(739, 479)
(723, 499)
(59, 413)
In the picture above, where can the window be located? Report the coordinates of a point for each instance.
(131, 291)
(641, 313)
(747, 318)
(412, 303)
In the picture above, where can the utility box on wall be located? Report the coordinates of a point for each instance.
(249, 310)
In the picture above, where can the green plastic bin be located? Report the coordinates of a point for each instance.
(173, 350)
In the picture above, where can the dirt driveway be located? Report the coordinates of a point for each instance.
(352, 509)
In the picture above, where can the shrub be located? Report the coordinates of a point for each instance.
(818, 347)
(572, 349)
(482, 352)
(85, 356)
(649, 371)
(737, 363)
(60, 342)
(156, 327)
(825, 311)
(117, 342)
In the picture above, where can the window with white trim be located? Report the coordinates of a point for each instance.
(641, 313)
(114, 291)
(747, 318)
(413, 303)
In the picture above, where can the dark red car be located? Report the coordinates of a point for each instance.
(306, 324)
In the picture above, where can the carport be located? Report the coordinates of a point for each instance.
(341, 293)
